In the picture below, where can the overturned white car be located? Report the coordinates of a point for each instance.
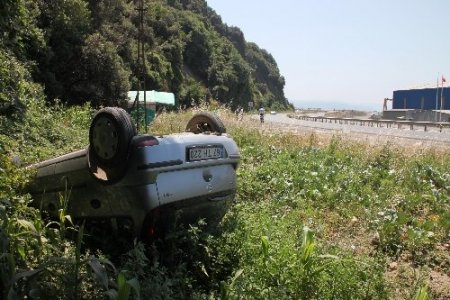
(142, 184)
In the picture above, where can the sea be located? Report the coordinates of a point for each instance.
(335, 105)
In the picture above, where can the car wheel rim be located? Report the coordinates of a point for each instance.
(105, 138)
(204, 126)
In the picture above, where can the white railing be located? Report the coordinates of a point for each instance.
(408, 125)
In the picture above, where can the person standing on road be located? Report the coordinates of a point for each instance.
(237, 111)
(261, 111)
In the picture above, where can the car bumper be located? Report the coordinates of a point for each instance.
(172, 216)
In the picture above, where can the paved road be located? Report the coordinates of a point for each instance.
(381, 133)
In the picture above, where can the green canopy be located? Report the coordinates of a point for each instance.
(152, 97)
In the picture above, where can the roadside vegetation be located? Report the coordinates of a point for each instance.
(314, 218)
(87, 50)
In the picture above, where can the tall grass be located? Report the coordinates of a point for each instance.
(316, 217)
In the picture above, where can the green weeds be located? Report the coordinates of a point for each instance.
(312, 220)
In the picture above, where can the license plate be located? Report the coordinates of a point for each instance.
(203, 153)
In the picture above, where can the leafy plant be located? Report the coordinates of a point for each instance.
(313, 218)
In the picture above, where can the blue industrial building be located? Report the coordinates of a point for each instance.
(422, 99)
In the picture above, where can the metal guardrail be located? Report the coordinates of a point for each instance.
(377, 137)
(411, 125)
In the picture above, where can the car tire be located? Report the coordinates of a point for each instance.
(205, 122)
(109, 135)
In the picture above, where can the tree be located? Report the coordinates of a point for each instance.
(12, 76)
(66, 23)
(87, 50)
(266, 73)
(235, 35)
(229, 75)
(105, 77)
(192, 93)
(198, 49)
(20, 33)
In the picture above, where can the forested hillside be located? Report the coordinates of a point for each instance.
(81, 51)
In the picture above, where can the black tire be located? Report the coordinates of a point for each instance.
(205, 122)
(109, 136)
(126, 118)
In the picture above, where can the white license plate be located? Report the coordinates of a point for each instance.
(202, 153)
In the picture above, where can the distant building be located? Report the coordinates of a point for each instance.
(424, 104)
(423, 99)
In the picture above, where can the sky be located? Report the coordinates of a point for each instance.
(347, 53)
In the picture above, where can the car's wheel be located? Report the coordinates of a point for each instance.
(205, 122)
(110, 134)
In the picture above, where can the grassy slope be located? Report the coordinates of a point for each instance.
(314, 218)
(382, 212)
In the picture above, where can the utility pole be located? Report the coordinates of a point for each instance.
(437, 97)
(141, 63)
